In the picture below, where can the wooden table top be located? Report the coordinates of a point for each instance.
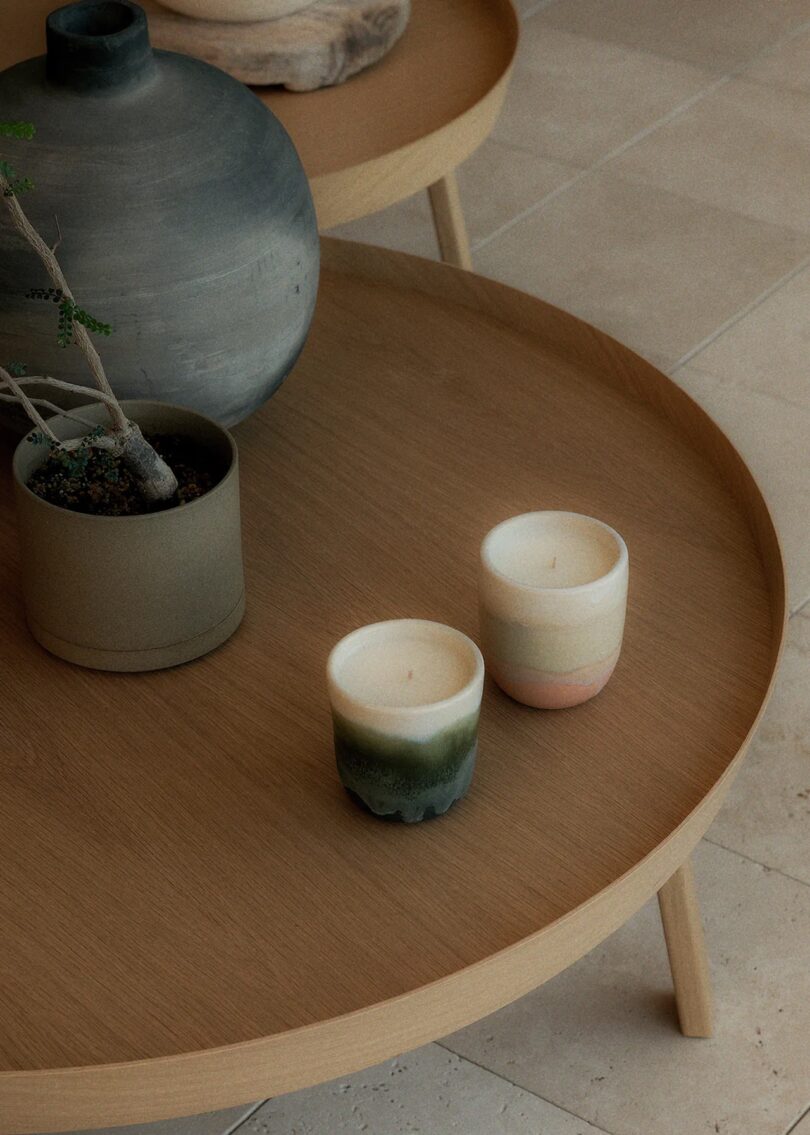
(450, 57)
(389, 131)
(193, 914)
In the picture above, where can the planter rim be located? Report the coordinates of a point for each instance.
(130, 404)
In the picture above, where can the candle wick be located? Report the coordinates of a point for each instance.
(554, 562)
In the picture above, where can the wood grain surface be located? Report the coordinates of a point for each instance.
(388, 132)
(192, 912)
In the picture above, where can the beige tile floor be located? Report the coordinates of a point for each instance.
(651, 172)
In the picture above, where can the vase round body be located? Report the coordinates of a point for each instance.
(185, 218)
(237, 11)
(139, 592)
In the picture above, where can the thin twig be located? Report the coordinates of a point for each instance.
(29, 407)
(52, 406)
(58, 234)
(61, 384)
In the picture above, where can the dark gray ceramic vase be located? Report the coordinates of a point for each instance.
(185, 215)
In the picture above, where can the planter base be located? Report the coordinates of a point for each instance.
(130, 661)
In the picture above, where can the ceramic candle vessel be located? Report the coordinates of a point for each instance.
(405, 699)
(553, 594)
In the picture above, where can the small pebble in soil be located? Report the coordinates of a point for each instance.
(102, 486)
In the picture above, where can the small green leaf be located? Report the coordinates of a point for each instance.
(24, 130)
(64, 327)
(52, 294)
(20, 185)
(90, 322)
(16, 184)
(74, 461)
(16, 370)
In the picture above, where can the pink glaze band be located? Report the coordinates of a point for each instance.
(546, 690)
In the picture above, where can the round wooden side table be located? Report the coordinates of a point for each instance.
(409, 122)
(193, 914)
(403, 125)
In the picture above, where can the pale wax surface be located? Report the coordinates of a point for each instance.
(406, 672)
(406, 678)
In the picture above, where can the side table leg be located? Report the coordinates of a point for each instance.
(449, 221)
(683, 931)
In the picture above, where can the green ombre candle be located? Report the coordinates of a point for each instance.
(553, 593)
(405, 699)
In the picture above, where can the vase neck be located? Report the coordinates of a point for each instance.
(98, 44)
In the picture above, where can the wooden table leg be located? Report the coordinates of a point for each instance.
(686, 947)
(449, 221)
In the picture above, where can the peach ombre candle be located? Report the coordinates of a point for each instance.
(553, 593)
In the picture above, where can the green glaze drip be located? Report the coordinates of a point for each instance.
(404, 778)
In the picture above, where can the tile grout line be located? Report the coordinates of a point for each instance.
(772, 48)
(750, 859)
(734, 73)
(796, 270)
(603, 161)
(802, 604)
(528, 212)
(520, 1088)
(793, 1126)
(248, 1115)
(535, 8)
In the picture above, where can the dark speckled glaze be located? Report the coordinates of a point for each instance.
(186, 218)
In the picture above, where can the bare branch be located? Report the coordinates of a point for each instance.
(155, 478)
(104, 441)
(53, 407)
(60, 384)
(51, 265)
(26, 403)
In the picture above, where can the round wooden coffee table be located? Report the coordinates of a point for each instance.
(404, 125)
(193, 914)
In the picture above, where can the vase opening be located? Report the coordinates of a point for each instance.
(107, 17)
(98, 44)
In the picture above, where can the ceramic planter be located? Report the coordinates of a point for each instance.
(133, 592)
(186, 218)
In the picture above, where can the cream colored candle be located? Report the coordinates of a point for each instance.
(553, 593)
(405, 699)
